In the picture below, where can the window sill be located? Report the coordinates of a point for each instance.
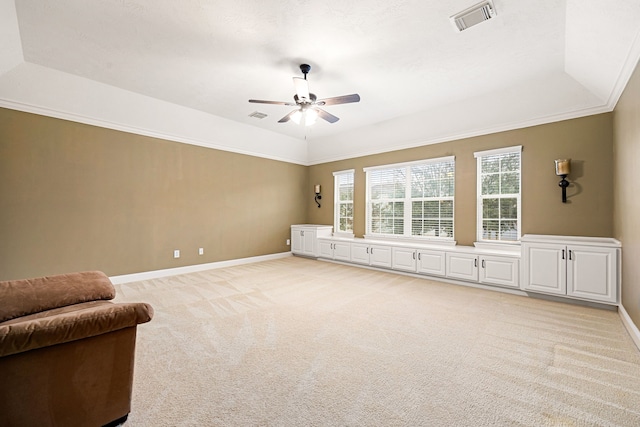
(499, 246)
(409, 240)
(343, 235)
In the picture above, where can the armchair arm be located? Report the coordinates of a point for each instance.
(69, 324)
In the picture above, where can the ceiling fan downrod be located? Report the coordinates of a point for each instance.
(305, 68)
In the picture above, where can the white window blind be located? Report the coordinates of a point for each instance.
(412, 200)
(343, 203)
(499, 189)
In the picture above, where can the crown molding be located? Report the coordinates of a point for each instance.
(469, 134)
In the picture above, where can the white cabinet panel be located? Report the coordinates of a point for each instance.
(342, 251)
(462, 266)
(431, 262)
(592, 273)
(360, 253)
(380, 256)
(309, 242)
(296, 240)
(404, 259)
(497, 270)
(325, 248)
(544, 268)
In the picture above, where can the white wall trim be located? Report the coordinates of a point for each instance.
(625, 74)
(633, 330)
(147, 275)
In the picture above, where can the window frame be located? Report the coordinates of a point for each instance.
(408, 200)
(337, 202)
(480, 197)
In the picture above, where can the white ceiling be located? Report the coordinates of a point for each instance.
(419, 79)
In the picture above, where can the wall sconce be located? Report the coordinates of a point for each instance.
(316, 189)
(563, 168)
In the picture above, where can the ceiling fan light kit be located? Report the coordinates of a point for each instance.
(307, 102)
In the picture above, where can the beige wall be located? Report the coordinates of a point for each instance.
(588, 141)
(626, 206)
(78, 197)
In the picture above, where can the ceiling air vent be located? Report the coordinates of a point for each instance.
(258, 115)
(474, 15)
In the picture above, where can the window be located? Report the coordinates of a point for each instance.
(343, 203)
(412, 199)
(499, 188)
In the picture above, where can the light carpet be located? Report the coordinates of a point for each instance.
(298, 342)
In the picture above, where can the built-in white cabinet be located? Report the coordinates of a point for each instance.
(462, 266)
(304, 238)
(502, 270)
(579, 267)
(371, 254)
(431, 262)
(337, 250)
(423, 261)
(499, 270)
(404, 259)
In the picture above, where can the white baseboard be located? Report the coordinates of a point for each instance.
(146, 275)
(631, 327)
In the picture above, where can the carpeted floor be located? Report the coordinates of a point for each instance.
(297, 342)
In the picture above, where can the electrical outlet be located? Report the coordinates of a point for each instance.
(200, 251)
(288, 242)
(176, 253)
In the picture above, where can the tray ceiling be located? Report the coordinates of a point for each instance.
(420, 80)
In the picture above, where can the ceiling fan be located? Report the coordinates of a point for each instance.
(307, 103)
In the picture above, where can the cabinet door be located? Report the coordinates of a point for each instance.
(592, 273)
(462, 266)
(342, 251)
(325, 248)
(360, 253)
(309, 242)
(431, 262)
(497, 270)
(380, 256)
(404, 259)
(296, 240)
(544, 268)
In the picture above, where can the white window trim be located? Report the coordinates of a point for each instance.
(405, 164)
(496, 243)
(336, 204)
(504, 150)
(407, 212)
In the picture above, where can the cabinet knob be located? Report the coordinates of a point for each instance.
(419, 256)
(475, 262)
(570, 255)
(414, 255)
(563, 254)
(483, 265)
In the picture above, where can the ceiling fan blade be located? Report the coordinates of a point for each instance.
(326, 116)
(287, 117)
(302, 87)
(344, 99)
(260, 101)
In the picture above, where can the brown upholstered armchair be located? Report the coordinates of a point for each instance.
(66, 351)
